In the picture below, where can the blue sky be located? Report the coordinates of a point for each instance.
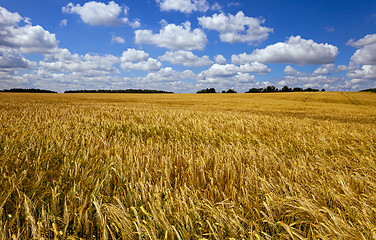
(186, 45)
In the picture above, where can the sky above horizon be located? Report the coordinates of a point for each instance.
(187, 45)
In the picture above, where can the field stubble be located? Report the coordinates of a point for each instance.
(221, 166)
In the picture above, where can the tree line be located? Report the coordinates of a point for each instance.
(369, 90)
(117, 91)
(268, 89)
(27, 90)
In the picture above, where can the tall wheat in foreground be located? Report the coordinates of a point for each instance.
(220, 166)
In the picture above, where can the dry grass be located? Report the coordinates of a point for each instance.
(221, 166)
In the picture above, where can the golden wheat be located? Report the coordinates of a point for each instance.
(220, 166)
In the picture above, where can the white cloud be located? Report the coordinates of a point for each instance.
(316, 79)
(8, 18)
(216, 7)
(241, 82)
(135, 24)
(254, 67)
(164, 79)
(64, 22)
(366, 73)
(149, 65)
(184, 6)
(62, 61)
(117, 39)
(230, 70)
(238, 77)
(186, 58)
(330, 29)
(292, 71)
(312, 81)
(294, 51)
(174, 37)
(236, 4)
(236, 28)
(98, 13)
(133, 59)
(13, 59)
(28, 38)
(167, 74)
(220, 59)
(365, 55)
(367, 40)
(327, 69)
(133, 55)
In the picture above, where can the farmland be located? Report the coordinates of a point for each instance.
(188, 166)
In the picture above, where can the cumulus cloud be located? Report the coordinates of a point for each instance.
(230, 70)
(216, 7)
(236, 28)
(62, 61)
(317, 79)
(292, 71)
(135, 24)
(117, 39)
(64, 22)
(186, 58)
(308, 80)
(184, 6)
(133, 59)
(220, 59)
(167, 74)
(164, 79)
(98, 13)
(365, 55)
(327, 69)
(241, 82)
(365, 73)
(13, 59)
(367, 40)
(231, 76)
(174, 37)
(8, 18)
(294, 51)
(238, 77)
(28, 38)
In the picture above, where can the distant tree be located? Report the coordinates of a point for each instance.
(207, 90)
(255, 90)
(369, 90)
(117, 91)
(223, 91)
(297, 89)
(231, 91)
(27, 90)
(323, 90)
(270, 89)
(286, 89)
(310, 90)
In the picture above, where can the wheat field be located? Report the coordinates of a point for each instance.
(188, 166)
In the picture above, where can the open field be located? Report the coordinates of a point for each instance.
(188, 166)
